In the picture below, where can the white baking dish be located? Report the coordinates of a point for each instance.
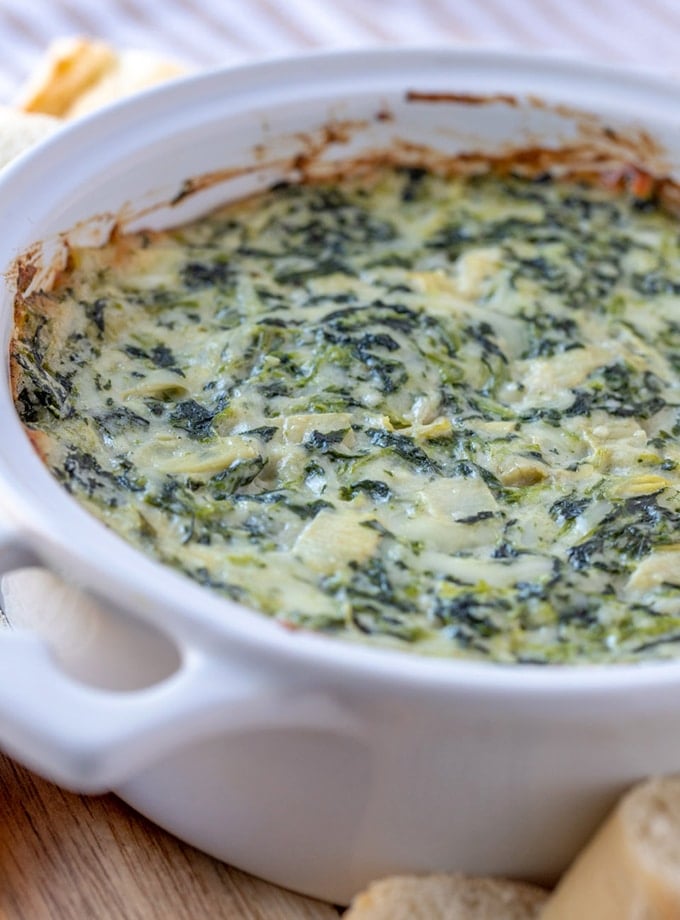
(313, 763)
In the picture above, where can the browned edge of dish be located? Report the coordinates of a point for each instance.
(631, 162)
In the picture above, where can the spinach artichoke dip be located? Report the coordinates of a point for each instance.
(436, 413)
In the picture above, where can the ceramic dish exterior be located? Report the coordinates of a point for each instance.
(316, 764)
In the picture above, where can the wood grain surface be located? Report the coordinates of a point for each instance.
(72, 857)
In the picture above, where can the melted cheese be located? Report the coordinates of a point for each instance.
(438, 414)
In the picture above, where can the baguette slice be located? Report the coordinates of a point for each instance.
(132, 71)
(447, 897)
(21, 130)
(631, 868)
(77, 75)
(69, 67)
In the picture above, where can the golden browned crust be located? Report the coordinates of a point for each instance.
(131, 72)
(78, 75)
(40, 441)
(69, 67)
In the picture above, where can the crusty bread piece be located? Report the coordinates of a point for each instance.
(631, 868)
(69, 67)
(78, 75)
(21, 130)
(132, 71)
(447, 897)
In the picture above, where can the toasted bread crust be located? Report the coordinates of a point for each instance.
(69, 67)
(78, 75)
(131, 72)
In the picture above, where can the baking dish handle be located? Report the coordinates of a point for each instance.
(93, 740)
(14, 551)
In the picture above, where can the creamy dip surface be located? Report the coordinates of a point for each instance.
(434, 413)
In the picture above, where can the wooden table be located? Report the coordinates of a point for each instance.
(72, 857)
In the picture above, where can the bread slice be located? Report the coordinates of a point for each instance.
(77, 75)
(631, 868)
(447, 897)
(69, 67)
(133, 70)
(21, 130)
